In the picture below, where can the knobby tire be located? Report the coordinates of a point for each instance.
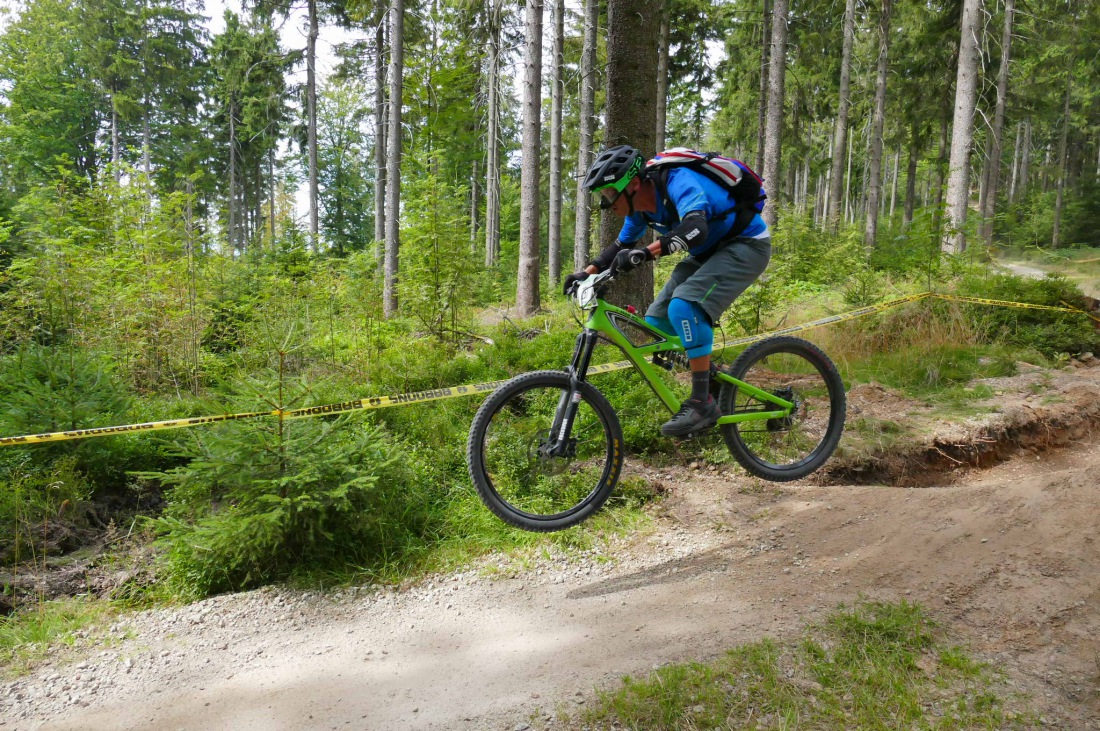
(521, 486)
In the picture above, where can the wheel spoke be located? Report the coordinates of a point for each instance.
(787, 447)
(516, 464)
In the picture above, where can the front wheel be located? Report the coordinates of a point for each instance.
(788, 448)
(515, 468)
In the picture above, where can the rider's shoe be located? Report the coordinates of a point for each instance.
(693, 417)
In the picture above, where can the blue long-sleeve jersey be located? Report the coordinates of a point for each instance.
(691, 191)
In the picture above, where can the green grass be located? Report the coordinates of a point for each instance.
(873, 666)
(939, 375)
(28, 636)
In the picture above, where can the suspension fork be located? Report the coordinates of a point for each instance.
(559, 443)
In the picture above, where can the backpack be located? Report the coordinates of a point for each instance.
(743, 185)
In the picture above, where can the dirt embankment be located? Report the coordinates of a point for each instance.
(1006, 558)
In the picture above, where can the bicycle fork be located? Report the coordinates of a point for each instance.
(559, 443)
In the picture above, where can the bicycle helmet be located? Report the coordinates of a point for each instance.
(614, 168)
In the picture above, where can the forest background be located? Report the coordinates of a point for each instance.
(155, 266)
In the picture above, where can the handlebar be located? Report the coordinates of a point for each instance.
(585, 292)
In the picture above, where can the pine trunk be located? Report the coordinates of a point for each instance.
(582, 232)
(989, 204)
(962, 129)
(555, 203)
(762, 106)
(938, 182)
(631, 111)
(777, 73)
(379, 132)
(848, 185)
(1059, 198)
(527, 284)
(492, 141)
(116, 170)
(874, 181)
(232, 177)
(271, 194)
(1015, 162)
(475, 205)
(311, 122)
(662, 78)
(1025, 159)
(894, 182)
(841, 130)
(393, 158)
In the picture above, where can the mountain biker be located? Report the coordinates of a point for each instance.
(721, 264)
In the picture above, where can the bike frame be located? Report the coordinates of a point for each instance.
(609, 321)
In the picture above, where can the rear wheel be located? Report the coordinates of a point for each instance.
(788, 448)
(509, 453)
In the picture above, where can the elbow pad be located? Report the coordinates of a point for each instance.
(691, 232)
(605, 257)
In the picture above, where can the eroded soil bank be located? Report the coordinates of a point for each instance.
(1004, 557)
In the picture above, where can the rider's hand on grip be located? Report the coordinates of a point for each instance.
(572, 280)
(630, 259)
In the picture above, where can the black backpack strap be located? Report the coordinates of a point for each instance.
(662, 190)
(745, 211)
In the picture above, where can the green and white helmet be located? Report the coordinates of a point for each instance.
(614, 168)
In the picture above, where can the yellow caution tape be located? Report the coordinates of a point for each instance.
(1004, 303)
(376, 402)
(438, 394)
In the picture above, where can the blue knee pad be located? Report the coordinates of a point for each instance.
(661, 323)
(693, 327)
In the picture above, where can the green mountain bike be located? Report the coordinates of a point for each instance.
(545, 450)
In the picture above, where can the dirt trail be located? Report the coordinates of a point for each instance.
(1005, 558)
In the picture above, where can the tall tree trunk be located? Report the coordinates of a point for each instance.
(393, 158)
(1059, 198)
(379, 130)
(842, 113)
(557, 12)
(582, 232)
(146, 142)
(1015, 163)
(941, 169)
(989, 204)
(762, 106)
(777, 73)
(527, 284)
(1046, 168)
(861, 209)
(1025, 160)
(894, 182)
(874, 182)
(475, 205)
(116, 170)
(631, 110)
(492, 141)
(232, 177)
(848, 185)
(311, 121)
(662, 76)
(962, 129)
(271, 193)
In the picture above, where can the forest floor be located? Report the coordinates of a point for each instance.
(987, 521)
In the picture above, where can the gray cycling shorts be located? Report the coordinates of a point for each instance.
(716, 281)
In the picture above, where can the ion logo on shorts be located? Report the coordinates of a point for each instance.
(686, 325)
